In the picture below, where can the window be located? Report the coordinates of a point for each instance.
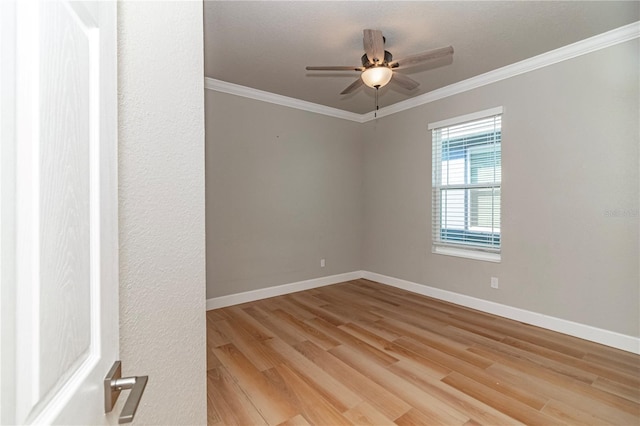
(467, 166)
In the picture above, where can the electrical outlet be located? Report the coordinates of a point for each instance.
(322, 263)
(494, 282)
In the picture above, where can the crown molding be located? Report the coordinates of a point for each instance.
(260, 95)
(583, 47)
(591, 44)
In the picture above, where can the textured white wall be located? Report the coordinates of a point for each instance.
(162, 222)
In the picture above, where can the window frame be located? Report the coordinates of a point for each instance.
(467, 250)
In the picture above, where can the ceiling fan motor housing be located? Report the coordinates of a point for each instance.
(367, 64)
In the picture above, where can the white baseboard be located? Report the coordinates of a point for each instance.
(264, 293)
(586, 332)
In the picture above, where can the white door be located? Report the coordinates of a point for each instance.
(58, 212)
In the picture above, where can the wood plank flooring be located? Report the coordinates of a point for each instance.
(364, 353)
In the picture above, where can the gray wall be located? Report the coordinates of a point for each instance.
(286, 187)
(570, 157)
(284, 190)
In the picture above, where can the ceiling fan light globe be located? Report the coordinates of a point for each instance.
(376, 77)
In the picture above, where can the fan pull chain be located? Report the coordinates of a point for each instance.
(375, 113)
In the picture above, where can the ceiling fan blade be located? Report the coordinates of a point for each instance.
(336, 68)
(353, 86)
(374, 46)
(404, 81)
(421, 57)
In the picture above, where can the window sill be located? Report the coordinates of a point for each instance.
(469, 254)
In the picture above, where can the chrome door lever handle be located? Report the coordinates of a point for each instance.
(137, 385)
(114, 383)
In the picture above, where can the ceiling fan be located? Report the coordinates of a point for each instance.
(378, 66)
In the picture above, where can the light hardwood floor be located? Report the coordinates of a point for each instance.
(367, 354)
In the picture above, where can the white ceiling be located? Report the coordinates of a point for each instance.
(266, 45)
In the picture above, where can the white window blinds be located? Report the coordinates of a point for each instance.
(466, 181)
